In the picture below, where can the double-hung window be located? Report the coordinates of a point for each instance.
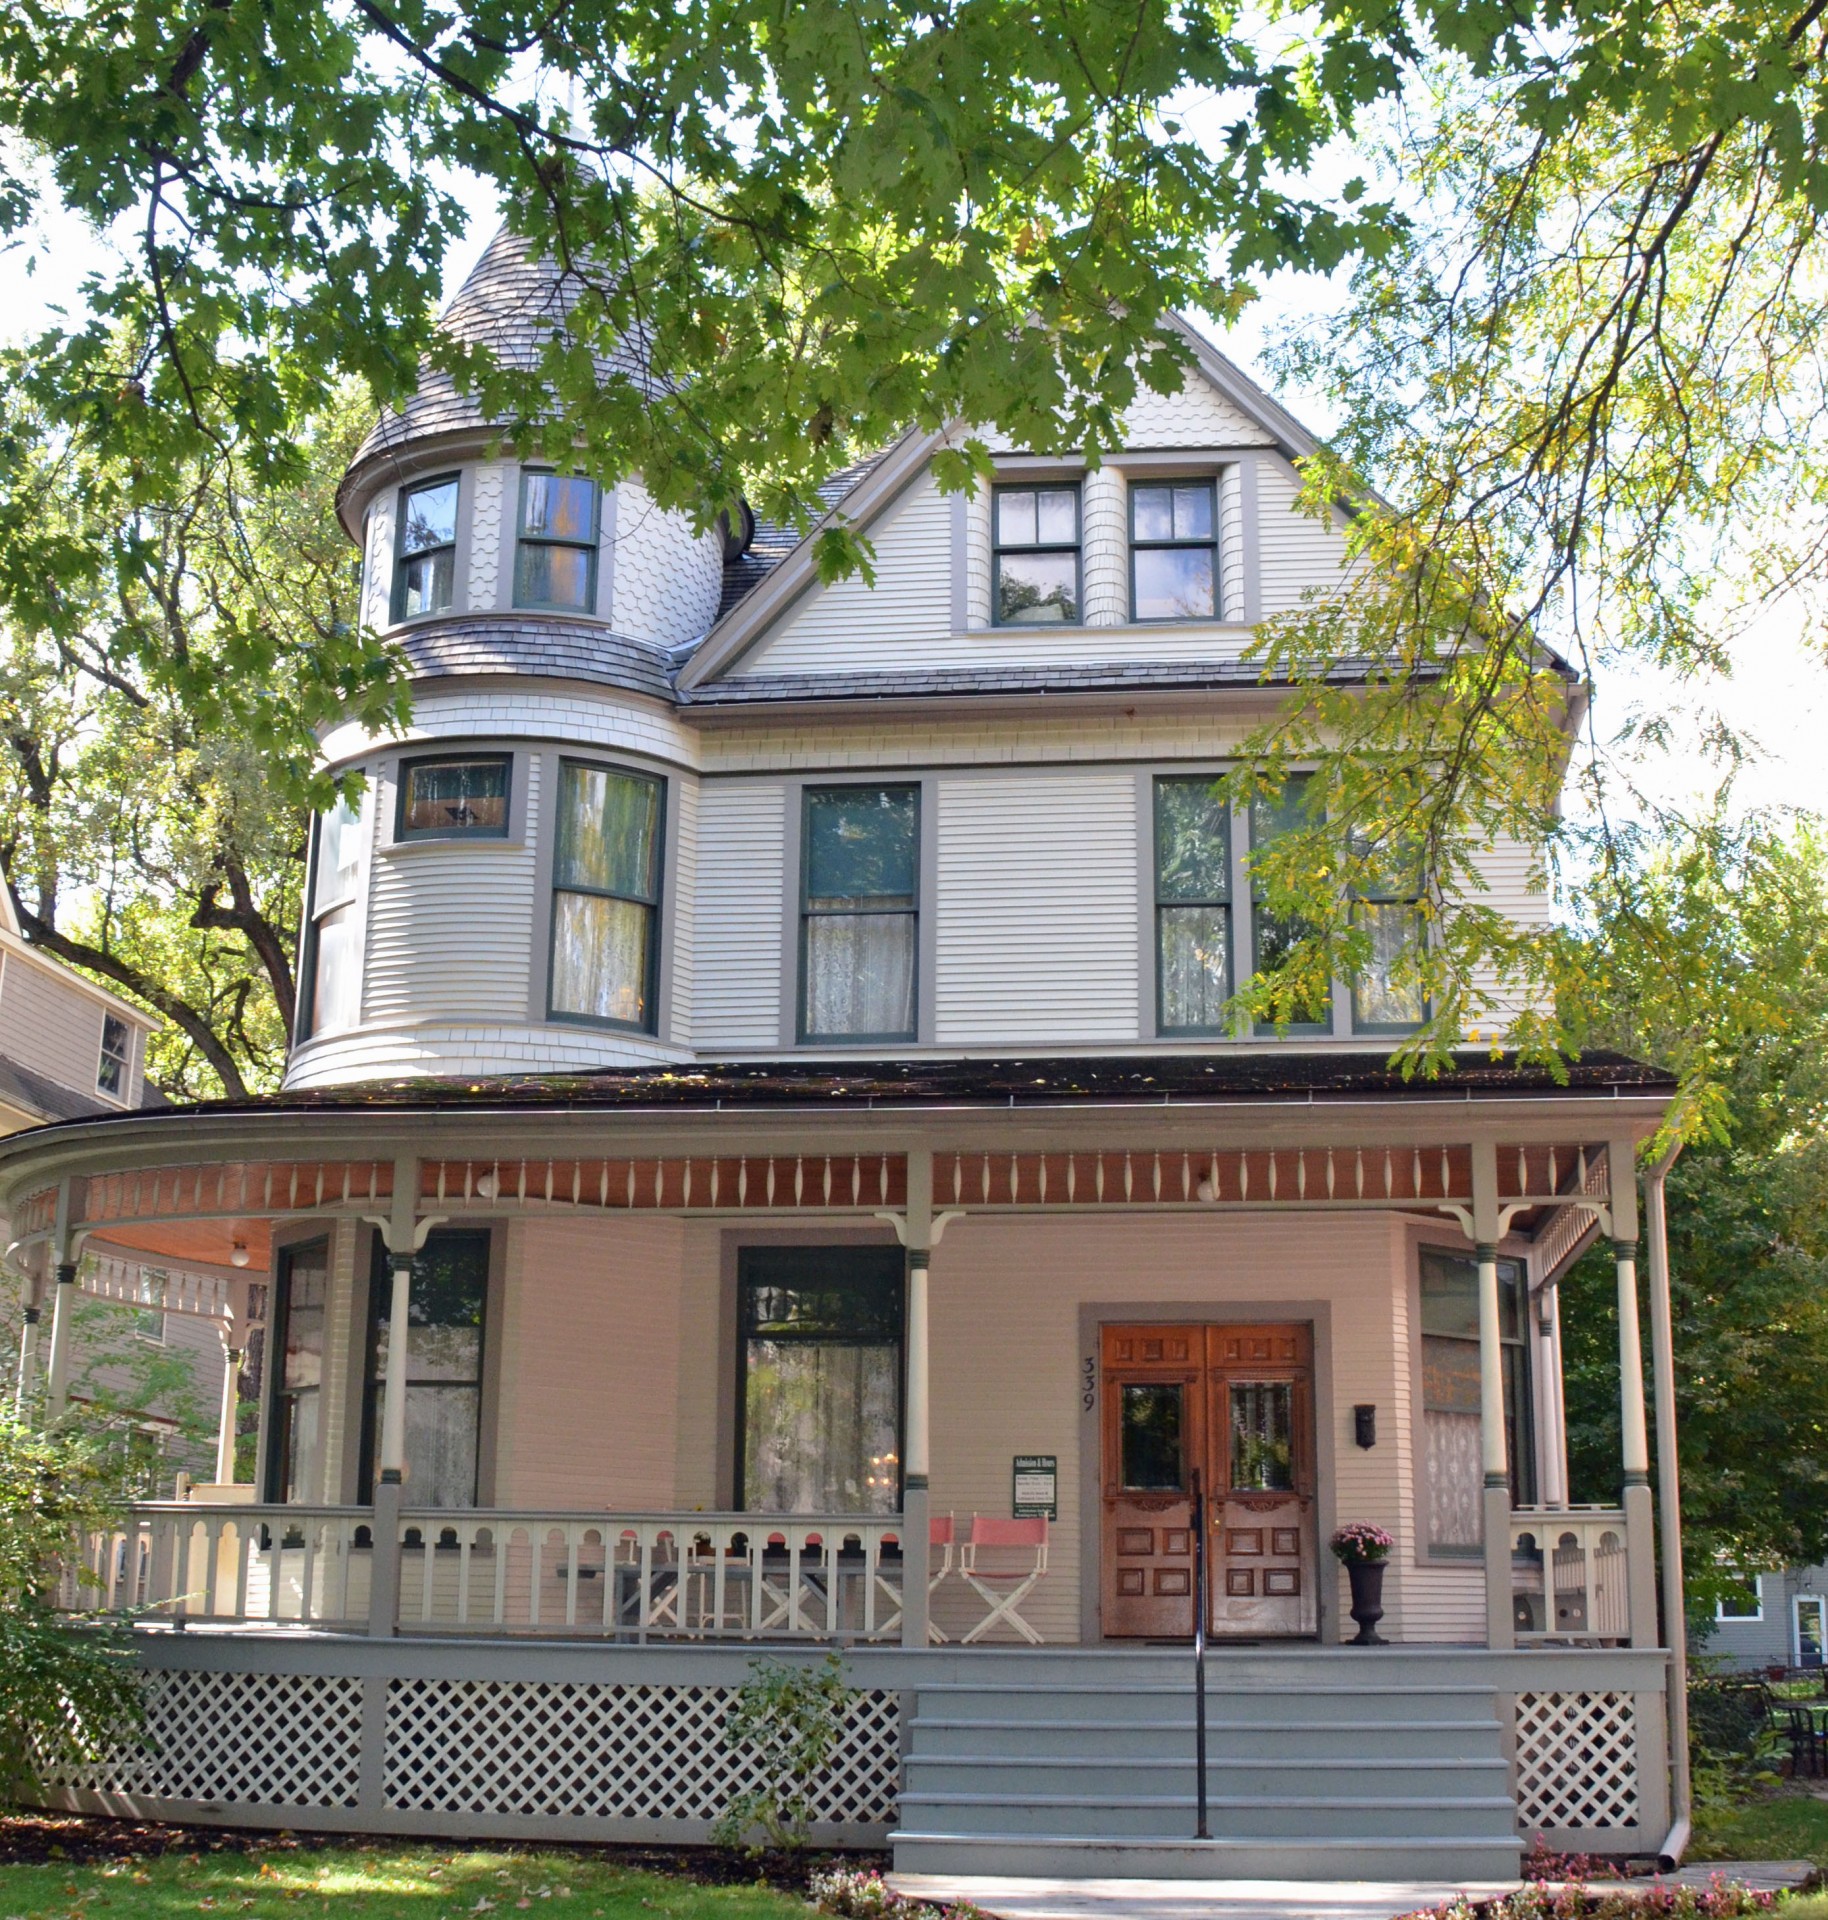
(295, 1443)
(1306, 1004)
(333, 969)
(859, 913)
(1388, 910)
(1192, 904)
(1450, 1395)
(606, 896)
(117, 1053)
(1174, 555)
(425, 564)
(1036, 556)
(555, 554)
(819, 1420)
(454, 797)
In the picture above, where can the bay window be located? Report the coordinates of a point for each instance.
(1174, 566)
(454, 797)
(444, 1334)
(606, 896)
(1035, 540)
(333, 956)
(425, 551)
(555, 551)
(819, 1419)
(1453, 1456)
(1192, 904)
(859, 915)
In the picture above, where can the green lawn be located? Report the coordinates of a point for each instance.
(1778, 1826)
(383, 1882)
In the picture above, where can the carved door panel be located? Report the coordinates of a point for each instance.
(1260, 1417)
(1154, 1433)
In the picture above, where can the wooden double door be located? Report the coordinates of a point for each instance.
(1237, 1402)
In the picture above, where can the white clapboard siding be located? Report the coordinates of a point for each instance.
(742, 877)
(1297, 552)
(451, 927)
(1038, 908)
(588, 1406)
(1007, 1361)
(1508, 871)
(48, 1023)
(413, 1050)
(851, 626)
(680, 911)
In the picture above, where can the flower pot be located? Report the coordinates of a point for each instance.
(1367, 1577)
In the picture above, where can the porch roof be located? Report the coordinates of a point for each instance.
(1275, 1076)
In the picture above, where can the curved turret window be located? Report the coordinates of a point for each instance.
(426, 568)
(606, 895)
(555, 554)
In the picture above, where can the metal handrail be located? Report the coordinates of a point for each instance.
(1200, 1832)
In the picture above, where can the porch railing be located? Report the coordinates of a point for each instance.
(182, 1561)
(636, 1577)
(652, 1575)
(1569, 1574)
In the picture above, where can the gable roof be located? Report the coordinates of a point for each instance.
(745, 614)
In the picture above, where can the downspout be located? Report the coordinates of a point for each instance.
(1669, 1505)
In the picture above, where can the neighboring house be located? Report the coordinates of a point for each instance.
(765, 1160)
(1780, 1620)
(69, 1049)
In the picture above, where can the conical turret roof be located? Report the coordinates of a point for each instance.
(514, 301)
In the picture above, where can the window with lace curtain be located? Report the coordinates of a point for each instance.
(859, 912)
(1453, 1456)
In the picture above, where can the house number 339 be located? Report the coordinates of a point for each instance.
(1088, 1395)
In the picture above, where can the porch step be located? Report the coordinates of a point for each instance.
(1021, 1855)
(1317, 1769)
(1267, 1740)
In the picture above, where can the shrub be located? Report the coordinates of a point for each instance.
(851, 1894)
(790, 1717)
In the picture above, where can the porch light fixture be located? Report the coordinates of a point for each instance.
(1364, 1425)
(487, 1187)
(238, 1254)
(1204, 1190)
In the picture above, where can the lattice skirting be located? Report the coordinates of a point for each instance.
(548, 1750)
(1577, 1761)
(237, 1739)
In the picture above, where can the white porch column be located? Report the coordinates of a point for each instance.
(1634, 1436)
(1494, 1454)
(232, 1359)
(916, 1505)
(1550, 1450)
(1669, 1498)
(63, 1309)
(27, 1383)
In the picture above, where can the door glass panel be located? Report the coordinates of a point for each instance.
(1151, 1435)
(1262, 1436)
(1810, 1627)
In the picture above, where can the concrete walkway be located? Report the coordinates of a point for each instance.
(1270, 1899)
(1189, 1899)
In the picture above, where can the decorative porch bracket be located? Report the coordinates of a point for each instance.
(1485, 1223)
(403, 1233)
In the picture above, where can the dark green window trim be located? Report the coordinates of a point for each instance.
(397, 597)
(1210, 544)
(999, 547)
(588, 547)
(424, 763)
(807, 913)
(651, 901)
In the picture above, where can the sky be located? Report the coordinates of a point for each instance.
(1777, 697)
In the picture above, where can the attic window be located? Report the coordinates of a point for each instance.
(555, 556)
(426, 567)
(1037, 556)
(1173, 552)
(117, 1049)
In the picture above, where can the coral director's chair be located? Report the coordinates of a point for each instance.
(1019, 1559)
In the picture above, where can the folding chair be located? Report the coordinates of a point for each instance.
(1024, 1539)
(942, 1532)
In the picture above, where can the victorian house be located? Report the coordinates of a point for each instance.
(767, 1161)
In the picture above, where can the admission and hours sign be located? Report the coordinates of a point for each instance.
(1037, 1486)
